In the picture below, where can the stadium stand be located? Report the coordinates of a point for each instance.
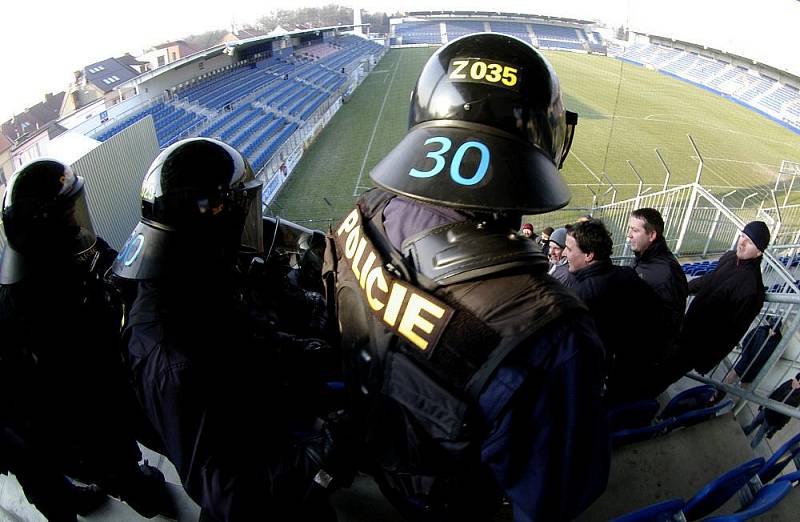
(255, 106)
(419, 33)
(759, 92)
(543, 35)
(517, 29)
(456, 29)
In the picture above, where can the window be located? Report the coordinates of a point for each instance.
(160, 61)
(2, 176)
(96, 68)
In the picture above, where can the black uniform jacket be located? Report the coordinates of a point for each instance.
(61, 368)
(207, 379)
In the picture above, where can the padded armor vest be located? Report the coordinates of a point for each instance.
(418, 347)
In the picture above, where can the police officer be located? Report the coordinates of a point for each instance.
(60, 357)
(211, 376)
(475, 374)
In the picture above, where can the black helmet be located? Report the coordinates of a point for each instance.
(45, 215)
(488, 130)
(199, 193)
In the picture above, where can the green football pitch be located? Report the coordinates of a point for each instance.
(625, 113)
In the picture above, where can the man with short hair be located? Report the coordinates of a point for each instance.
(608, 290)
(727, 301)
(657, 265)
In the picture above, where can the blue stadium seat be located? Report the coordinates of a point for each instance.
(634, 415)
(767, 498)
(690, 418)
(688, 400)
(776, 463)
(624, 437)
(773, 466)
(661, 512)
(714, 494)
(794, 476)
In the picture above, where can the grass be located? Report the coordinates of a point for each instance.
(626, 112)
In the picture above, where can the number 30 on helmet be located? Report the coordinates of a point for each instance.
(487, 130)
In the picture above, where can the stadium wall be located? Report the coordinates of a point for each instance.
(114, 172)
(157, 85)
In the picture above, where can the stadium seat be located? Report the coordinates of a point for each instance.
(690, 418)
(634, 415)
(779, 459)
(688, 400)
(714, 494)
(794, 476)
(767, 498)
(624, 437)
(661, 512)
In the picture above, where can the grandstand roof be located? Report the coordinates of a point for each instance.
(495, 14)
(221, 48)
(109, 73)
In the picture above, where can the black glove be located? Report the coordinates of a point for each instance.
(335, 451)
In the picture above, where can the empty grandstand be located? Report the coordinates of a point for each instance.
(258, 101)
(723, 75)
(437, 28)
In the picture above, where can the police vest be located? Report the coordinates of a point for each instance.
(418, 351)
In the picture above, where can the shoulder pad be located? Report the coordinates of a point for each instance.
(467, 250)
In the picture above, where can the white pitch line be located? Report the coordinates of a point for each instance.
(375, 129)
(586, 167)
(776, 167)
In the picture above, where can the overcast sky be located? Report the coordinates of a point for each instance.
(43, 42)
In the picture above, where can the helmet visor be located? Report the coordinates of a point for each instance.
(572, 121)
(253, 230)
(63, 226)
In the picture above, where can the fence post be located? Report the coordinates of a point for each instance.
(716, 223)
(699, 157)
(686, 219)
(666, 168)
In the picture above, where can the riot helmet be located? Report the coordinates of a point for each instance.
(200, 199)
(487, 130)
(45, 216)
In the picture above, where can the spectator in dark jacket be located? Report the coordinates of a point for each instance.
(657, 265)
(770, 421)
(544, 240)
(727, 301)
(609, 291)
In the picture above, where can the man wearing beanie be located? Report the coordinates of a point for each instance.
(527, 231)
(727, 300)
(559, 268)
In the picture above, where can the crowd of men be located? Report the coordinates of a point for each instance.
(470, 375)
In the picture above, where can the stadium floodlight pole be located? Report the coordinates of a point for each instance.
(666, 168)
(699, 157)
